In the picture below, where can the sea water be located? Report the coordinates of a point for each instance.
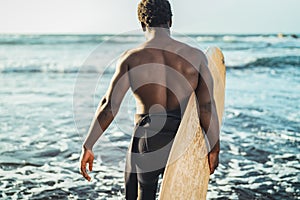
(45, 115)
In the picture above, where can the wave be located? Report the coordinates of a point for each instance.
(67, 39)
(7, 39)
(35, 70)
(57, 70)
(274, 62)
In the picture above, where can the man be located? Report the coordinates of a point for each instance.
(162, 73)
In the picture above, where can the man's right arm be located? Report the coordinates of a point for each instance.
(208, 113)
(105, 113)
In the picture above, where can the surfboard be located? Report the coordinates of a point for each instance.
(187, 173)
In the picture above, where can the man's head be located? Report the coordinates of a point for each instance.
(155, 13)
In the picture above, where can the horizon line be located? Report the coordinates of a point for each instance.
(124, 33)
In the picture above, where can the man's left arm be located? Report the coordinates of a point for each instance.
(208, 113)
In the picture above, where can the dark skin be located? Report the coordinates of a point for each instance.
(162, 73)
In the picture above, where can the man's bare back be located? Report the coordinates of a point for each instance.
(162, 73)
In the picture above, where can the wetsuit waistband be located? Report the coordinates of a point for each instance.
(176, 114)
(166, 122)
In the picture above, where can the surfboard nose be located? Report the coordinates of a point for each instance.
(216, 55)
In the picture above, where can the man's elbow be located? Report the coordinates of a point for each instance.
(110, 106)
(206, 107)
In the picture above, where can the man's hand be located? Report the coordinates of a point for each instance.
(213, 161)
(87, 156)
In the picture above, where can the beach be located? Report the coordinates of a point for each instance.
(43, 124)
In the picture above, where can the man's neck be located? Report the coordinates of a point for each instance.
(154, 33)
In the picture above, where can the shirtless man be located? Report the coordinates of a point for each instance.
(162, 74)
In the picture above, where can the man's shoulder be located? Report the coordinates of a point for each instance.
(191, 53)
(126, 56)
(194, 55)
(126, 59)
(133, 55)
(131, 52)
(191, 50)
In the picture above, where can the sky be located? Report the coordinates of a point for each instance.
(120, 16)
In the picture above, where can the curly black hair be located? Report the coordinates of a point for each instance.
(154, 13)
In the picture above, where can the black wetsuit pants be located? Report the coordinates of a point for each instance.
(148, 154)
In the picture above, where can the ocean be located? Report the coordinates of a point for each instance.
(51, 85)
